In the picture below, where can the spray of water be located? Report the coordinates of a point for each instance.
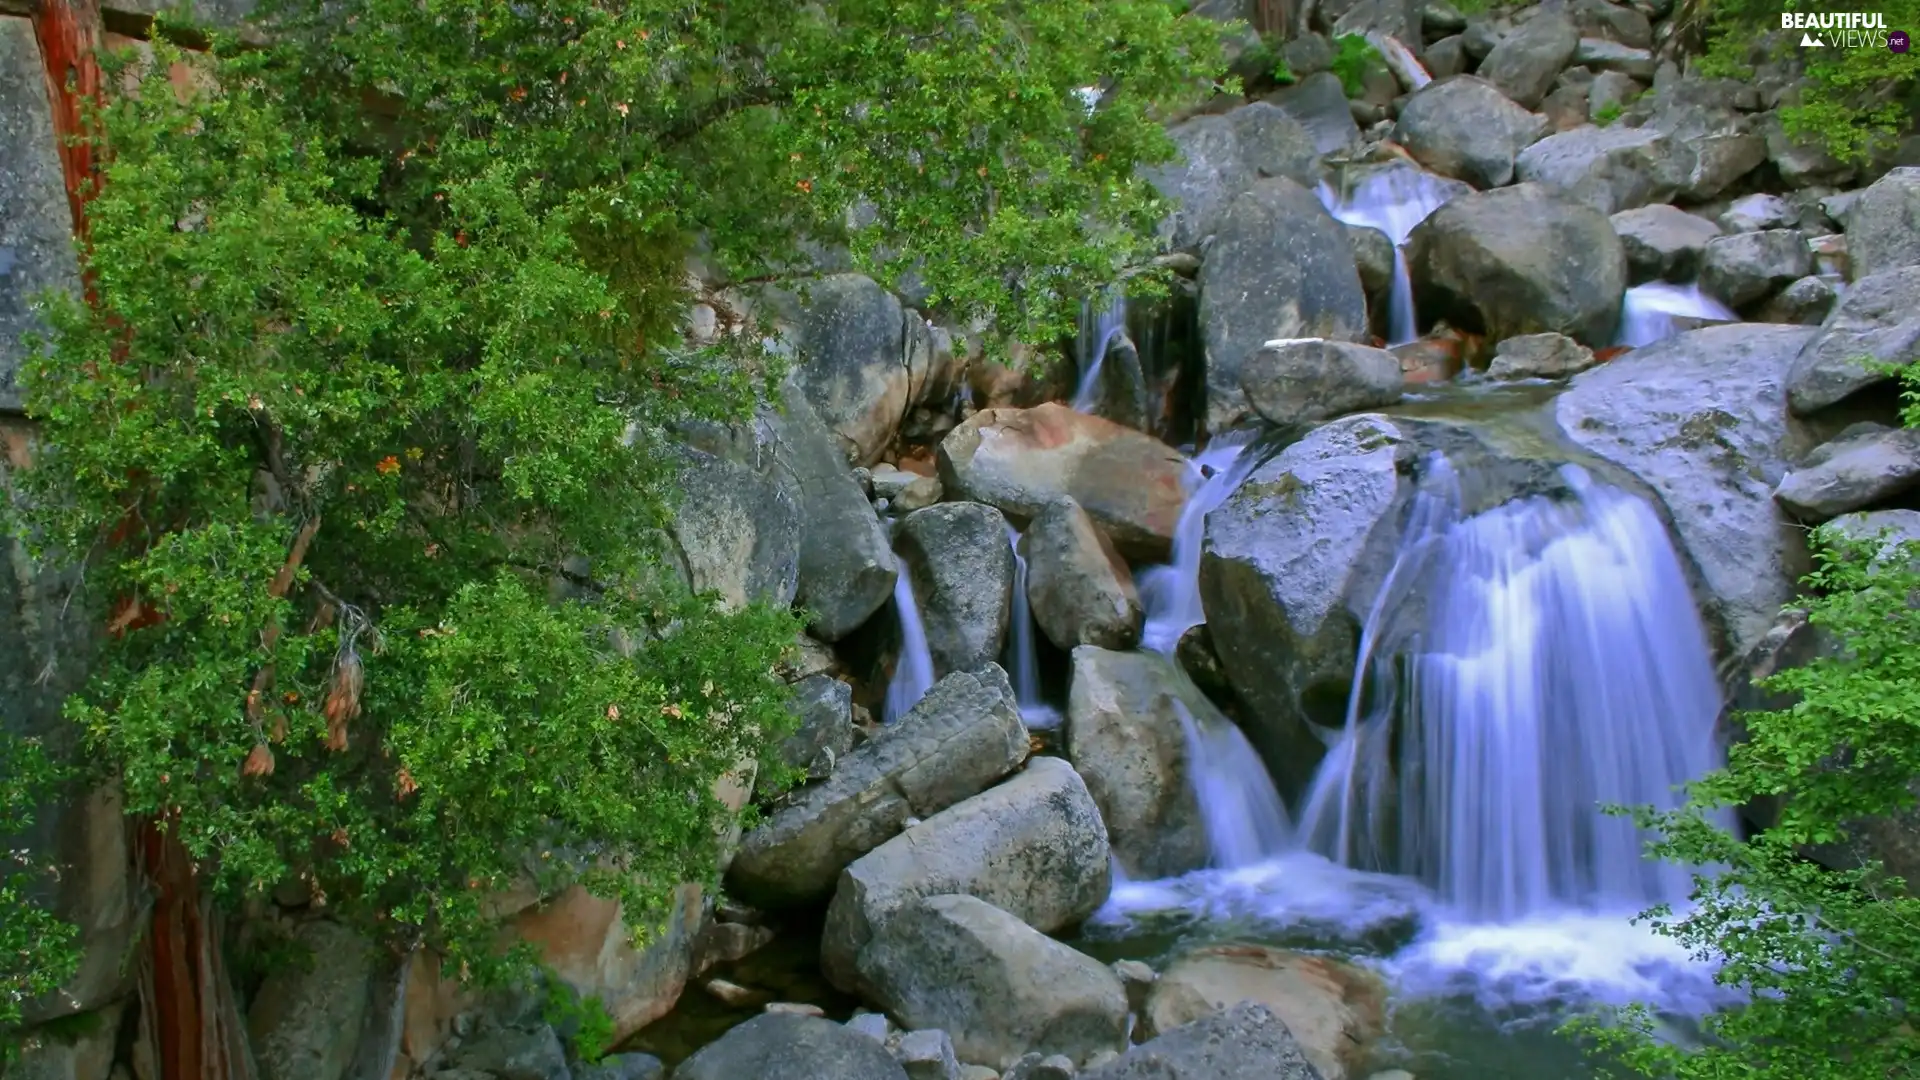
(913, 672)
(1170, 594)
(1653, 311)
(1392, 199)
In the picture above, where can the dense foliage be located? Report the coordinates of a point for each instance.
(365, 441)
(36, 949)
(1850, 101)
(1827, 960)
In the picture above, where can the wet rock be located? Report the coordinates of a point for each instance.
(1220, 156)
(1126, 738)
(1520, 260)
(1754, 213)
(1079, 588)
(1021, 460)
(1663, 243)
(1608, 168)
(1526, 61)
(825, 734)
(737, 532)
(531, 1052)
(964, 734)
(927, 1055)
(1306, 381)
(1883, 224)
(1244, 1042)
(1280, 268)
(1120, 389)
(1806, 302)
(1034, 847)
(1333, 1009)
(1867, 471)
(1319, 104)
(1748, 267)
(996, 985)
(780, 1046)
(1467, 129)
(963, 578)
(1138, 978)
(36, 226)
(1372, 256)
(1699, 418)
(1539, 356)
(1878, 322)
(904, 491)
(304, 1024)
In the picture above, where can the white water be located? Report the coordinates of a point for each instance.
(1101, 320)
(1245, 817)
(913, 671)
(1649, 312)
(1023, 661)
(1392, 199)
(1171, 594)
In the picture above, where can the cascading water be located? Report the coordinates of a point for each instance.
(1245, 818)
(1392, 199)
(1539, 660)
(1023, 661)
(1171, 594)
(1101, 320)
(1650, 312)
(913, 672)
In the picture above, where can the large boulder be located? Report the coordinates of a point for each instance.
(737, 532)
(1319, 103)
(1244, 1042)
(962, 571)
(1021, 460)
(1334, 1010)
(1311, 380)
(304, 1024)
(999, 987)
(963, 735)
(1608, 168)
(1220, 156)
(1877, 322)
(1883, 224)
(1662, 243)
(1751, 266)
(1867, 471)
(1280, 267)
(1034, 847)
(36, 226)
(1701, 419)
(1078, 587)
(824, 706)
(1128, 740)
(787, 1046)
(1466, 128)
(1710, 143)
(1520, 260)
(1527, 61)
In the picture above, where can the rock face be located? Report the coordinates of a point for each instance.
(1310, 380)
(738, 532)
(1280, 267)
(1520, 260)
(825, 733)
(1021, 460)
(962, 573)
(585, 941)
(1701, 419)
(964, 734)
(999, 987)
(1750, 266)
(1878, 318)
(1883, 224)
(36, 227)
(1126, 738)
(1220, 156)
(1034, 847)
(1078, 587)
(1334, 1010)
(1466, 128)
(1245, 1042)
(304, 1023)
(1526, 62)
(783, 1046)
(1865, 472)
(1662, 242)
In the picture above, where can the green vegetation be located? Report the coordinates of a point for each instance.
(1353, 57)
(1608, 113)
(1851, 100)
(36, 949)
(582, 1021)
(1829, 960)
(366, 443)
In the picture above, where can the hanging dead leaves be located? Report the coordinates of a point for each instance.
(343, 697)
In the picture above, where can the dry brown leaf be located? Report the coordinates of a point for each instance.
(407, 784)
(343, 699)
(259, 761)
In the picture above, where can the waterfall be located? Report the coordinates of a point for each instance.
(1540, 659)
(1392, 199)
(1101, 320)
(1246, 821)
(1024, 659)
(913, 672)
(1650, 311)
(1171, 594)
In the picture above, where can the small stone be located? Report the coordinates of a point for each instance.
(1138, 978)
(1101, 1057)
(795, 1008)
(872, 1025)
(735, 995)
(979, 1072)
(1392, 1074)
(927, 1055)
(1539, 356)
(1035, 1067)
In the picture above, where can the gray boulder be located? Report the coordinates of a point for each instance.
(1078, 587)
(1309, 380)
(737, 532)
(1467, 129)
(1034, 847)
(1747, 267)
(1711, 144)
(1701, 419)
(1877, 321)
(963, 578)
(1612, 22)
(1448, 57)
(1126, 738)
(529, 1052)
(1609, 93)
(1520, 260)
(1608, 168)
(1614, 58)
(1279, 268)
(785, 1046)
(1663, 243)
(1245, 1042)
(1372, 256)
(1806, 302)
(1220, 156)
(1526, 62)
(629, 1066)
(36, 225)
(825, 732)
(1539, 356)
(999, 987)
(1319, 104)
(1867, 471)
(964, 734)
(927, 1055)
(304, 1024)
(1883, 224)
(1753, 213)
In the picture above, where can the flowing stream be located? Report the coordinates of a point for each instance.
(913, 672)
(1653, 312)
(1392, 199)
(1102, 319)
(1171, 593)
(1023, 659)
